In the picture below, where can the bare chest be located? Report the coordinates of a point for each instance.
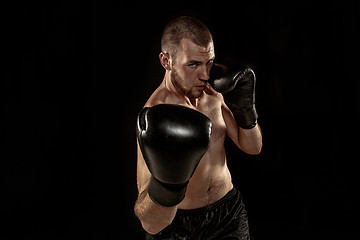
(212, 110)
(211, 179)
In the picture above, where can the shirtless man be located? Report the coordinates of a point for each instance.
(205, 205)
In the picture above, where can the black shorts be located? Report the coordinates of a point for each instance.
(225, 219)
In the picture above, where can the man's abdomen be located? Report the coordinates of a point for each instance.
(208, 184)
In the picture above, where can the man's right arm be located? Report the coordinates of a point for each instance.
(153, 217)
(171, 142)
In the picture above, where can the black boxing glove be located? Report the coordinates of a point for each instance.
(172, 139)
(237, 84)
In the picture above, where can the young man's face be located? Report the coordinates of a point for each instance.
(191, 69)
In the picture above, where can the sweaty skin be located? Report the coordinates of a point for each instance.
(185, 83)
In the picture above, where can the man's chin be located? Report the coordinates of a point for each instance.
(195, 94)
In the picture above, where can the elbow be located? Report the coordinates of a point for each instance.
(254, 150)
(258, 149)
(154, 228)
(257, 152)
(151, 226)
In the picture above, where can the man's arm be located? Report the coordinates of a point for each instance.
(153, 217)
(171, 142)
(237, 85)
(248, 140)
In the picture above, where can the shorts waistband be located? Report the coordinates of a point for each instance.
(210, 207)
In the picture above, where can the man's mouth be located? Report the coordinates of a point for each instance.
(200, 87)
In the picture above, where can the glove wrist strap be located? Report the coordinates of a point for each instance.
(165, 194)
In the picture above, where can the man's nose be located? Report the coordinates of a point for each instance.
(204, 74)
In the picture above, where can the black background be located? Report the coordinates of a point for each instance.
(75, 74)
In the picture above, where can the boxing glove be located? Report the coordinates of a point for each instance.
(237, 84)
(172, 140)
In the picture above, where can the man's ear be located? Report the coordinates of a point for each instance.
(165, 60)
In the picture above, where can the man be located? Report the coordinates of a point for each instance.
(185, 187)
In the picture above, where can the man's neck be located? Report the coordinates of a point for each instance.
(167, 83)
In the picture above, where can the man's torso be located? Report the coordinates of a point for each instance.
(211, 179)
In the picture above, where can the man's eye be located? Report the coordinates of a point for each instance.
(192, 65)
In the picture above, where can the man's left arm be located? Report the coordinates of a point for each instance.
(248, 140)
(237, 85)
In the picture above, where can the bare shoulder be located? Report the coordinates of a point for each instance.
(162, 96)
